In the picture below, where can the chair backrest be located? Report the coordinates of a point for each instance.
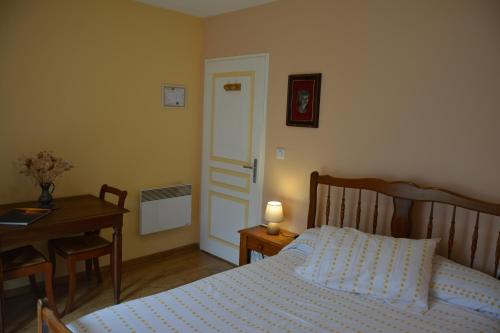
(47, 320)
(122, 195)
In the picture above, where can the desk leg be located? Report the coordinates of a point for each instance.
(116, 259)
(2, 305)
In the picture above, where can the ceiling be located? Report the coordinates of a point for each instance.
(205, 8)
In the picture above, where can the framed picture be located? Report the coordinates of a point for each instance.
(174, 96)
(303, 100)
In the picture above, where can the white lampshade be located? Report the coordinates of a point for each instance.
(274, 212)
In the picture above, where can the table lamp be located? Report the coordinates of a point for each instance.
(273, 216)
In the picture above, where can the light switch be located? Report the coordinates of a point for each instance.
(280, 153)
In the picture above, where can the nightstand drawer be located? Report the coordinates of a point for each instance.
(264, 248)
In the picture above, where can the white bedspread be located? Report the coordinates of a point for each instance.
(268, 297)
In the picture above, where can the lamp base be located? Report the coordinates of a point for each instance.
(273, 228)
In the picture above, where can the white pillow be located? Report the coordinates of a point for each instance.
(305, 242)
(397, 270)
(461, 285)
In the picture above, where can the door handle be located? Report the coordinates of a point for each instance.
(254, 170)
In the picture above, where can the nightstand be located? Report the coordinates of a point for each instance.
(257, 239)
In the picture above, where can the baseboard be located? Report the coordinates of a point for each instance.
(62, 280)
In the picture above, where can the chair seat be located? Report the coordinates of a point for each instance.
(21, 257)
(79, 244)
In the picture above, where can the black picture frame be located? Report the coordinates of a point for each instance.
(304, 91)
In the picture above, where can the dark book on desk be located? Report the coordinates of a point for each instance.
(23, 216)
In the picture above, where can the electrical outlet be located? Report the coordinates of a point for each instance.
(280, 153)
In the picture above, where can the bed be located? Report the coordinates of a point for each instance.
(268, 296)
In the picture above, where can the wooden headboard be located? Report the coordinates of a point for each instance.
(404, 196)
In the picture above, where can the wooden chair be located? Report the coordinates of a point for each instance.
(26, 261)
(88, 247)
(47, 320)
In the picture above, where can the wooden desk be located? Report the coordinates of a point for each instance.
(73, 215)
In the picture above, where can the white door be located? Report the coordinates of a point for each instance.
(233, 151)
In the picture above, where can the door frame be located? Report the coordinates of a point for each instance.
(204, 187)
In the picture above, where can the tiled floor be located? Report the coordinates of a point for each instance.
(139, 279)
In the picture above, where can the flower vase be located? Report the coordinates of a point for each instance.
(45, 199)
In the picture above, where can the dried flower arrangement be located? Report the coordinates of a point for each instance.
(44, 168)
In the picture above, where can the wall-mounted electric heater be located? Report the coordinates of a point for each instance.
(165, 208)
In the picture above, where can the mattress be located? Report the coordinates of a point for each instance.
(268, 296)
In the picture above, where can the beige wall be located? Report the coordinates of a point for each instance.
(83, 78)
(410, 90)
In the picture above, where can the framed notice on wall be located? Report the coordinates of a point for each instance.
(174, 96)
